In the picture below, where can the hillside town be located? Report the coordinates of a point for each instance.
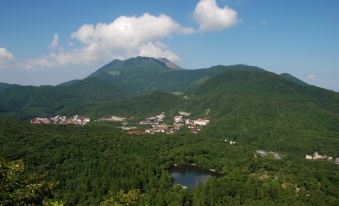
(113, 119)
(61, 120)
(155, 124)
(317, 156)
(179, 121)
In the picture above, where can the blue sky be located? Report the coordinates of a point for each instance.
(299, 37)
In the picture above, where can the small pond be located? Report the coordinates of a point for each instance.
(191, 176)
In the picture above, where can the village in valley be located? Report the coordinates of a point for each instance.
(151, 125)
(155, 124)
(76, 120)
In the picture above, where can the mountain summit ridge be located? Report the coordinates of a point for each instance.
(169, 63)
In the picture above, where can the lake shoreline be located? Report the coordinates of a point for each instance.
(190, 176)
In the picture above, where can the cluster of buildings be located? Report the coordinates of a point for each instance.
(263, 153)
(180, 120)
(317, 156)
(113, 119)
(155, 124)
(76, 119)
(153, 120)
(195, 125)
(160, 128)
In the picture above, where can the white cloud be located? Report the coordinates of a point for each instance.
(6, 58)
(123, 37)
(213, 18)
(55, 41)
(311, 77)
(130, 31)
(156, 50)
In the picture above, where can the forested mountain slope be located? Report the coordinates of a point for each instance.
(291, 78)
(29, 101)
(132, 87)
(142, 74)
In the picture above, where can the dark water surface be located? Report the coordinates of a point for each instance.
(191, 176)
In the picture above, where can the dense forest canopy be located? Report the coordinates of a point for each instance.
(100, 164)
(93, 161)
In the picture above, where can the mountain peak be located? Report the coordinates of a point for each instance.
(169, 63)
(139, 66)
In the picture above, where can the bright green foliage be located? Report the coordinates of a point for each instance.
(122, 199)
(18, 189)
(92, 160)
(53, 203)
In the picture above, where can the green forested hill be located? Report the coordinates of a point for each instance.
(29, 101)
(250, 105)
(258, 106)
(245, 81)
(326, 99)
(131, 87)
(140, 106)
(139, 75)
(112, 83)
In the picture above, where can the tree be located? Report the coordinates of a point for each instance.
(17, 189)
(121, 199)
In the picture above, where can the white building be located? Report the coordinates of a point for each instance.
(261, 153)
(232, 142)
(178, 119)
(317, 156)
(114, 119)
(185, 114)
(201, 122)
(309, 157)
